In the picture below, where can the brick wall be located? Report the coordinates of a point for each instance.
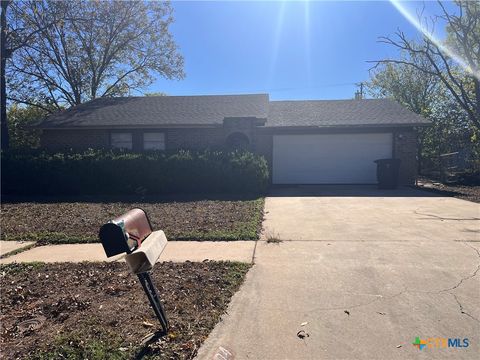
(74, 139)
(195, 138)
(405, 149)
(191, 138)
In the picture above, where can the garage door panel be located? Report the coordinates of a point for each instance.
(328, 158)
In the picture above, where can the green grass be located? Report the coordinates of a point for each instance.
(51, 238)
(17, 251)
(105, 345)
(18, 268)
(245, 231)
(237, 272)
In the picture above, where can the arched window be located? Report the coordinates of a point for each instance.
(238, 141)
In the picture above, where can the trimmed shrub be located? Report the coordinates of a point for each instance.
(116, 172)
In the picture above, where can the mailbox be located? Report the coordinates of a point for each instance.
(144, 258)
(125, 233)
(131, 233)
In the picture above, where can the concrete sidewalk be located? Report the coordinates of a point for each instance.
(176, 251)
(10, 246)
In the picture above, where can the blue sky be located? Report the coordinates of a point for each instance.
(291, 50)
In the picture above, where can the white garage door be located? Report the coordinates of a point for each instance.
(328, 158)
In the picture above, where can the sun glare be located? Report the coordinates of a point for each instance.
(422, 27)
(279, 28)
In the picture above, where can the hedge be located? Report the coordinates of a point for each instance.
(112, 172)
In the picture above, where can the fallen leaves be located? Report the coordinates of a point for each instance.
(53, 220)
(114, 310)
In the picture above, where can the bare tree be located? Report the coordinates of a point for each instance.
(442, 59)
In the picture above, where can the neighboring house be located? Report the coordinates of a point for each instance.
(305, 142)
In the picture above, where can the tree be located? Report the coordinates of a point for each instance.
(408, 85)
(75, 51)
(12, 39)
(455, 63)
(114, 48)
(20, 119)
(425, 94)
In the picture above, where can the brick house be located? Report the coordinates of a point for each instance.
(304, 142)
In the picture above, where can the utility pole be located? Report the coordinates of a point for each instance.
(359, 93)
(4, 54)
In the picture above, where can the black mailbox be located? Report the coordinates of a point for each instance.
(125, 233)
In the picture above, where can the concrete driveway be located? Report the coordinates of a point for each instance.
(362, 273)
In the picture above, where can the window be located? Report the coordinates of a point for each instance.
(121, 140)
(153, 141)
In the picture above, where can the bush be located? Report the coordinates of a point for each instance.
(114, 172)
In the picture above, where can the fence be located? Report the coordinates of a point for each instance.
(448, 167)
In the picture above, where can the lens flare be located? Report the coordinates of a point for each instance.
(400, 6)
(276, 40)
(308, 54)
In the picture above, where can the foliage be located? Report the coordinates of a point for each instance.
(19, 120)
(408, 85)
(430, 83)
(74, 51)
(424, 94)
(117, 172)
(454, 62)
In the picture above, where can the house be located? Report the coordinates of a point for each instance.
(305, 142)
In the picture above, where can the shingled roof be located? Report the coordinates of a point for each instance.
(208, 110)
(330, 113)
(159, 111)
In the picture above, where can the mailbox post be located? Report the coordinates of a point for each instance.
(132, 234)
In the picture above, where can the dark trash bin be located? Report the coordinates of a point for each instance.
(387, 173)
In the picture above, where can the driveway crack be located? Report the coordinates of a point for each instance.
(433, 216)
(462, 310)
(467, 277)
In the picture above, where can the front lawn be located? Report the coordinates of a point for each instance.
(50, 221)
(99, 311)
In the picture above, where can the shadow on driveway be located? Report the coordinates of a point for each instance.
(348, 191)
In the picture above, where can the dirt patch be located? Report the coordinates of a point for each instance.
(98, 310)
(65, 221)
(464, 192)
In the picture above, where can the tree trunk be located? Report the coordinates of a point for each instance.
(476, 83)
(5, 139)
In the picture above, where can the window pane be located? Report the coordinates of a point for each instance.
(153, 141)
(121, 140)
